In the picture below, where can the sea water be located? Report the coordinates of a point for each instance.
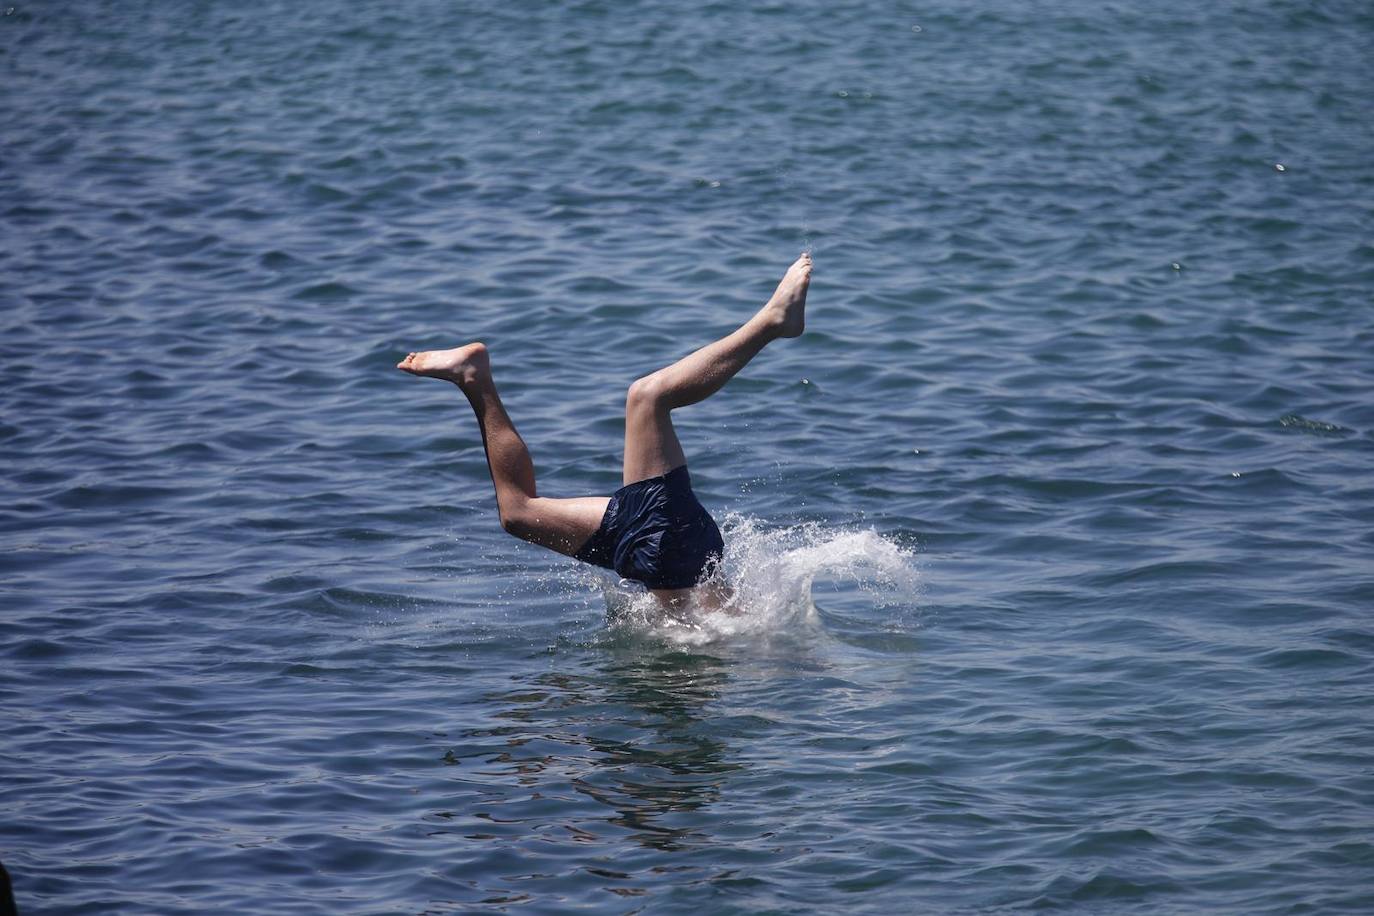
(1049, 542)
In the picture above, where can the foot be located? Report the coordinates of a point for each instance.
(460, 365)
(787, 307)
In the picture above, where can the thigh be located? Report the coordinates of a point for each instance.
(651, 446)
(563, 525)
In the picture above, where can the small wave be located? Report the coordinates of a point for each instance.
(768, 574)
(1320, 427)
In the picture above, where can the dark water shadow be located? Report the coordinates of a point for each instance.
(619, 748)
(663, 765)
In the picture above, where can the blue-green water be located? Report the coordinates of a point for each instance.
(1055, 528)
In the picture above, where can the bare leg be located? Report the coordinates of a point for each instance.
(563, 525)
(651, 445)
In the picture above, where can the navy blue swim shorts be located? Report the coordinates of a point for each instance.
(654, 531)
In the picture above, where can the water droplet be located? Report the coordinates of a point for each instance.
(1176, 266)
(1279, 167)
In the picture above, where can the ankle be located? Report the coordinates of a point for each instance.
(769, 323)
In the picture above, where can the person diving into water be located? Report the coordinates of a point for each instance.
(652, 530)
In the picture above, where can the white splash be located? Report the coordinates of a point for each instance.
(769, 573)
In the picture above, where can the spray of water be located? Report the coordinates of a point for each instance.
(768, 575)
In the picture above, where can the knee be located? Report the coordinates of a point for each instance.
(645, 393)
(516, 519)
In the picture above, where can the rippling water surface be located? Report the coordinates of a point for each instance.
(1054, 529)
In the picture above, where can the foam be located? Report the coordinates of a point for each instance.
(771, 572)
